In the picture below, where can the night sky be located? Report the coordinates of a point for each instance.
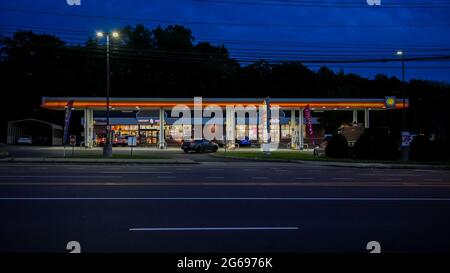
(367, 30)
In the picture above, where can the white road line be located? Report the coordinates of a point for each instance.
(149, 172)
(260, 177)
(344, 199)
(214, 177)
(392, 179)
(342, 178)
(217, 169)
(167, 177)
(212, 228)
(249, 170)
(39, 168)
(60, 176)
(403, 175)
(304, 178)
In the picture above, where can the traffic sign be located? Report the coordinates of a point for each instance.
(407, 138)
(73, 140)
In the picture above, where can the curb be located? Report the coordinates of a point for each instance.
(345, 164)
(96, 161)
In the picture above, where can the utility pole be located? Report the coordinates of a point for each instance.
(404, 148)
(107, 147)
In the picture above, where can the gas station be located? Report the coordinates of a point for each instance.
(150, 118)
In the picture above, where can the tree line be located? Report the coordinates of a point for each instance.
(167, 62)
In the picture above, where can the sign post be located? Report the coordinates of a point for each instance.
(73, 142)
(131, 142)
(407, 138)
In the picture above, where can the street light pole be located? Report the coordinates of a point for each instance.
(403, 92)
(107, 147)
(404, 147)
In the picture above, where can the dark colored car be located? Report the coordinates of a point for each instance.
(199, 145)
(245, 142)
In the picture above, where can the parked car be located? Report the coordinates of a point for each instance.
(25, 140)
(245, 142)
(199, 145)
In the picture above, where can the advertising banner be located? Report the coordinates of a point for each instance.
(265, 120)
(67, 115)
(308, 119)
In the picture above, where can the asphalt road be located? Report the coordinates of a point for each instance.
(222, 207)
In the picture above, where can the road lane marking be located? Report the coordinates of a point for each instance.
(212, 228)
(214, 177)
(392, 179)
(403, 175)
(60, 176)
(344, 199)
(260, 177)
(148, 172)
(342, 178)
(167, 177)
(304, 178)
(229, 183)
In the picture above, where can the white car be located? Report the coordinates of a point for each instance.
(25, 140)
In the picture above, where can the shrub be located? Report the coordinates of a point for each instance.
(337, 147)
(387, 147)
(420, 149)
(365, 147)
(440, 149)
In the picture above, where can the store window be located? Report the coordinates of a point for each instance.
(241, 131)
(253, 132)
(285, 131)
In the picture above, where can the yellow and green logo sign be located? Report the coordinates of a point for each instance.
(390, 102)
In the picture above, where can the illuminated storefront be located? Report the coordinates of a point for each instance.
(288, 128)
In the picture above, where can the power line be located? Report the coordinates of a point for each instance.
(307, 59)
(268, 55)
(409, 47)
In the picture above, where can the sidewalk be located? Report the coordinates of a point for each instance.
(95, 160)
(347, 164)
